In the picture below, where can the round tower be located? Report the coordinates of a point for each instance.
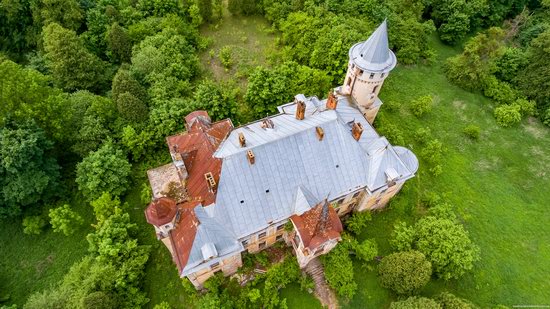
(369, 64)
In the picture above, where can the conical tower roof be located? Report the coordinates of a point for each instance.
(374, 55)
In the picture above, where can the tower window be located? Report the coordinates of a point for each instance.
(374, 89)
(382, 75)
(371, 76)
(360, 72)
(349, 82)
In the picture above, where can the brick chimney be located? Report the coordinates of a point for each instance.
(300, 110)
(242, 140)
(356, 130)
(251, 157)
(331, 101)
(320, 133)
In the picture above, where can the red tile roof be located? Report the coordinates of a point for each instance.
(161, 211)
(309, 226)
(183, 235)
(197, 146)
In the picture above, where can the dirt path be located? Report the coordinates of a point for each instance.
(322, 291)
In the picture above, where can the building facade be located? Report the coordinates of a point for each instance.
(229, 190)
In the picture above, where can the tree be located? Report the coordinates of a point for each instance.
(366, 250)
(422, 105)
(105, 206)
(28, 171)
(414, 302)
(33, 225)
(219, 100)
(119, 44)
(124, 82)
(131, 108)
(105, 170)
(205, 8)
(444, 243)
(357, 221)
(404, 272)
(471, 69)
(66, 13)
(339, 270)
(64, 220)
(450, 301)
(72, 65)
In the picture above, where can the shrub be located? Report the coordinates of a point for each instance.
(339, 271)
(33, 225)
(225, 55)
(430, 199)
(445, 244)
(163, 305)
(546, 117)
(508, 115)
(404, 272)
(526, 107)
(422, 105)
(450, 301)
(392, 133)
(433, 153)
(421, 135)
(356, 222)
(306, 283)
(64, 220)
(472, 131)
(499, 91)
(131, 108)
(415, 303)
(367, 250)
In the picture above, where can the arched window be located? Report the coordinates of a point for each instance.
(375, 88)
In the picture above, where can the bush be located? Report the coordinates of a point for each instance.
(306, 283)
(392, 133)
(499, 91)
(356, 222)
(64, 220)
(433, 154)
(415, 303)
(225, 55)
(526, 107)
(33, 225)
(422, 135)
(450, 301)
(445, 244)
(422, 105)
(508, 115)
(472, 131)
(404, 272)
(367, 250)
(339, 271)
(546, 117)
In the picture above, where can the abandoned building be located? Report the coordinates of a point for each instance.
(230, 190)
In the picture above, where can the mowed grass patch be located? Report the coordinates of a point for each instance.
(33, 263)
(249, 40)
(498, 186)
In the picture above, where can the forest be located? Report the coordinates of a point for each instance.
(89, 90)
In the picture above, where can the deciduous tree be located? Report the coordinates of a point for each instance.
(404, 272)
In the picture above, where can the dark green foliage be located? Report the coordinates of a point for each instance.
(455, 18)
(125, 82)
(64, 220)
(269, 88)
(444, 243)
(472, 131)
(410, 38)
(205, 8)
(71, 64)
(339, 270)
(450, 301)
(414, 302)
(512, 61)
(422, 105)
(499, 91)
(358, 221)
(508, 115)
(28, 172)
(105, 170)
(131, 108)
(66, 13)
(33, 225)
(218, 99)
(119, 43)
(405, 272)
(17, 32)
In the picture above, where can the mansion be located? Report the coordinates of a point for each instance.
(233, 189)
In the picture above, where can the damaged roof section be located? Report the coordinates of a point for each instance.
(318, 225)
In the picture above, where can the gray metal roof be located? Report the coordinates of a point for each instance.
(290, 158)
(374, 55)
(213, 241)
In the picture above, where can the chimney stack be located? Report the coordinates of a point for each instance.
(320, 133)
(242, 140)
(331, 101)
(300, 110)
(251, 157)
(357, 130)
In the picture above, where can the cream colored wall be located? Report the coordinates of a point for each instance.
(379, 198)
(228, 266)
(254, 241)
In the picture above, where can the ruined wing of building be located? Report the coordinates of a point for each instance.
(230, 190)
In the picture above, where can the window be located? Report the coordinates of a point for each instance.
(382, 75)
(371, 76)
(261, 235)
(349, 82)
(167, 226)
(214, 265)
(340, 201)
(356, 194)
(279, 237)
(360, 72)
(262, 245)
(245, 243)
(375, 88)
(280, 227)
(352, 66)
